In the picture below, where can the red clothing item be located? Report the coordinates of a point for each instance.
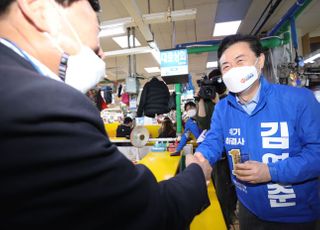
(104, 105)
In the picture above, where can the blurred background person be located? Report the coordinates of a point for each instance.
(191, 126)
(124, 129)
(211, 90)
(167, 129)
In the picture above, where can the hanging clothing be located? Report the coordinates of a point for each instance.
(101, 103)
(154, 99)
(172, 102)
(125, 98)
(107, 90)
(119, 93)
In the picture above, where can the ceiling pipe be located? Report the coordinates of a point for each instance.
(152, 18)
(269, 42)
(201, 43)
(272, 9)
(294, 11)
(262, 14)
(204, 46)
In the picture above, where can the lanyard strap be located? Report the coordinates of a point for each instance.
(23, 54)
(62, 66)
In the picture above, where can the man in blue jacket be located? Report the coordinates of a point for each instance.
(191, 126)
(271, 134)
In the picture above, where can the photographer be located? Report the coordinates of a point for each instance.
(212, 90)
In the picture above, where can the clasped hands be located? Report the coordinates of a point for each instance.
(199, 159)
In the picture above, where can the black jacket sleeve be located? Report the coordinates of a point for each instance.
(143, 99)
(59, 169)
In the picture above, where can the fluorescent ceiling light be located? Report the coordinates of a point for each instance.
(212, 64)
(138, 50)
(126, 52)
(124, 22)
(114, 27)
(152, 69)
(155, 18)
(312, 58)
(122, 41)
(226, 28)
(111, 31)
(177, 15)
(180, 15)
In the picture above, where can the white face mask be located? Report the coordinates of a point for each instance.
(241, 78)
(85, 69)
(191, 112)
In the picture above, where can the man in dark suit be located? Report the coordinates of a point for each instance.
(58, 169)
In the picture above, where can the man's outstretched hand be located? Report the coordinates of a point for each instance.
(199, 159)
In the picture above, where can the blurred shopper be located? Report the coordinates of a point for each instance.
(125, 129)
(167, 129)
(191, 127)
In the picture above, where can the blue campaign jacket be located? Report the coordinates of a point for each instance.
(190, 127)
(282, 131)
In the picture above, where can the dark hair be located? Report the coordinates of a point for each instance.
(4, 4)
(228, 41)
(216, 76)
(127, 120)
(214, 73)
(167, 129)
(189, 103)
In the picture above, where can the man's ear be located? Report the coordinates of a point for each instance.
(261, 60)
(37, 13)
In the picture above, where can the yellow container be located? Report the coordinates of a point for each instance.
(163, 167)
(111, 129)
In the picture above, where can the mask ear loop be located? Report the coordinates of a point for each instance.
(54, 42)
(63, 65)
(74, 33)
(255, 64)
